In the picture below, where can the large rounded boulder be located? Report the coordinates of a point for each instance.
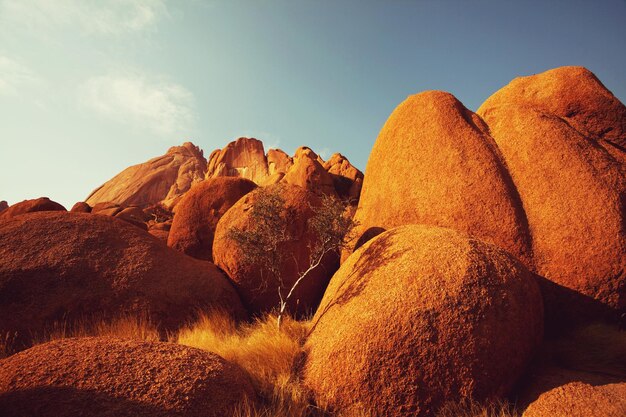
(257, 282)
(115, 377)
(198, 212)
(67, 267)
(435, 163)
(31, 206)
(419, 316)
(579, 399)
(561, 134)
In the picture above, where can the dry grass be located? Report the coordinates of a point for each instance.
(475, 409)
(6, 344)
(126, 327)
(270, 356)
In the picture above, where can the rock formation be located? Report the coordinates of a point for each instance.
(81, 207)
(435, 163)
(347, 179)
(160, 180)
(3, 205)
(31, 206)
(246, 158)
(419, 316)
(243, 158)
(199, 211)
(561, 135)
(117, 377)
(579, 399)
(98, 266)
(307, 172)
(258, 286)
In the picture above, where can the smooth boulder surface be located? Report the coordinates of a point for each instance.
(257, 285)
(572, 93)
(579, 399)
(197, 214)
(81, 207)
(116, 377)
(572, 181)
(31, 206)
(435, 163)
(65, 267)
(161, 180)
(419, 316)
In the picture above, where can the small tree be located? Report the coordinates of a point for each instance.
(261, 243)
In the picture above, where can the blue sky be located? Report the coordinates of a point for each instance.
(89, 87)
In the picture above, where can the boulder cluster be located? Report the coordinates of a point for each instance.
(477, 235)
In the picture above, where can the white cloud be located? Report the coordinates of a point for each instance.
(104, 17)
(160, 106)
(14, 76)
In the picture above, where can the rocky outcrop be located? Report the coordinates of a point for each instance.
(435, 163)
(258, 283)
(116, 377)
(579, 399)
(244, 158)
(307, 172)
(420, 316)
(347, 179)
(3, 205)
(160, 180)
(98, 266)
(561, 135)
(31, 206)
(199, 211)
(81, 207)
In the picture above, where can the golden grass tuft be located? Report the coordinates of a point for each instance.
(475, 409)
(269, 355)
(125, 327)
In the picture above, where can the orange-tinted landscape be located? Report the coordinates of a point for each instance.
(312, 209)
(475, 269)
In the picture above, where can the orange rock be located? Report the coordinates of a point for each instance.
(308, 172)
(31, 206)
(258, 286)
(419, 316)
(579, 399)
(106, 209)
(81, 207)
(572, 181)
(117, 377)
(572, 93)
(160, 234)
(278, 161)
(160, 180)
(193, 228)
(347, 179)
(243, 158)
(98, 266)
(435, 163)
(3, 205)
(135, 216)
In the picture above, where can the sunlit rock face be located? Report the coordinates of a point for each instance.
(163, 179)
(246, 158)
(106, 376)
(561, 134)
(243, 158)
(419, 316)
(62, 267)
(435, 163)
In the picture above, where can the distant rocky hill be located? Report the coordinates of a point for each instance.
(165, 179)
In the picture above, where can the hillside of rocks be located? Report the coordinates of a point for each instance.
(479, 262)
